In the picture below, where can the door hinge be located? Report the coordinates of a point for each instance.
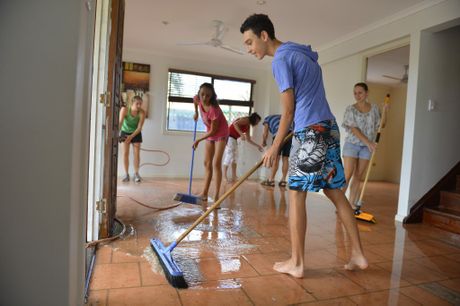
(104, 98)
(101, 206)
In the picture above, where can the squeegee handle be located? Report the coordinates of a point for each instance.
(193, 157)
(377, 139)
(225, 195)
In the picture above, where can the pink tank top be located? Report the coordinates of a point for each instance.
(214, 113)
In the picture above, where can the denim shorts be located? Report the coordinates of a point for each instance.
(356, 151)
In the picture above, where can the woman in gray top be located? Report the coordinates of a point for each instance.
(361, 122)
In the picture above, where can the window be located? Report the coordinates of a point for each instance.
(234, 96)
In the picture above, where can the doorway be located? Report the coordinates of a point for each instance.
(387, 73)
(103, 137)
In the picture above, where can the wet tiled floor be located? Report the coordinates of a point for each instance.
(228, 259)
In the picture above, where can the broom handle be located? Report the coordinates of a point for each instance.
(224, 196)
(193, 157)
(377, 138)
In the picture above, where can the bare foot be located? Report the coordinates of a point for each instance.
(357, 262)
(289, 268)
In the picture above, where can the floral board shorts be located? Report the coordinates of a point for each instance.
(315, 161)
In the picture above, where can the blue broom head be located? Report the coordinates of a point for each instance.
(172, 271)
(188, 198)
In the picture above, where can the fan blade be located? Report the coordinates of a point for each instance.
(220, 30)
(390, 77)
(231, 49)
(193, 43)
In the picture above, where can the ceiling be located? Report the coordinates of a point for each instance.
(158, 26)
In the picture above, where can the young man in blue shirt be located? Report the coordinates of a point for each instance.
(315, 162)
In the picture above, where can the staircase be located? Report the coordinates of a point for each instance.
(447, 214)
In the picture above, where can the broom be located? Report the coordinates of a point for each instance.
(189, 197)
(359, 214)
(173, 273)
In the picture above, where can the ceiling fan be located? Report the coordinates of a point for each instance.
(216, 40)
(403, 79)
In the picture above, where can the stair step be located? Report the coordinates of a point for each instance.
(450, 199)
(444, 218)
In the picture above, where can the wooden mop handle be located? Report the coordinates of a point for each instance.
(386, 101)
(225, 195)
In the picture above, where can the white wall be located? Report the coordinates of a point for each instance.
(387, 160)
(178, 145)
(436, 146)
(380, 164)
(43, 59)
(339, 79)
(394, 133)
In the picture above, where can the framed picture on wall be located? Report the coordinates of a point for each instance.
(136, 82)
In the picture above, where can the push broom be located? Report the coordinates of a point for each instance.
(359, 214)
(189, 197)
(173, 273)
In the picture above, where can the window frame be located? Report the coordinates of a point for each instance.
(172, 99)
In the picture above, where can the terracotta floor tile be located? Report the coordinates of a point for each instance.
(139, 296)
(423, 297)
(221, 268)
(453, 284)
(267, 230)
(440, 264)
(151, 276)
(374, 237)
(412, 271)
(120, 275)
(332, 302)
(271, 244)
(119, 256)
(321, 259)
(384, 298)
(422, 231)
(275, 290)
(263, 263)
(316, 242)
(215, 296)
(234, 246)
(97, 298)
(345, 252)
(454, 257)
(375, 278)
(103, 255)
(431, 248)
(387, 251)
(328, 284)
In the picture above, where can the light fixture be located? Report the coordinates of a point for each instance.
(261, 2)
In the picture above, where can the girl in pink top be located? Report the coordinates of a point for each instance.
(216, 136)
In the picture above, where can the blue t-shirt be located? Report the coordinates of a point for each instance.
(273, 122)
(296, 66)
